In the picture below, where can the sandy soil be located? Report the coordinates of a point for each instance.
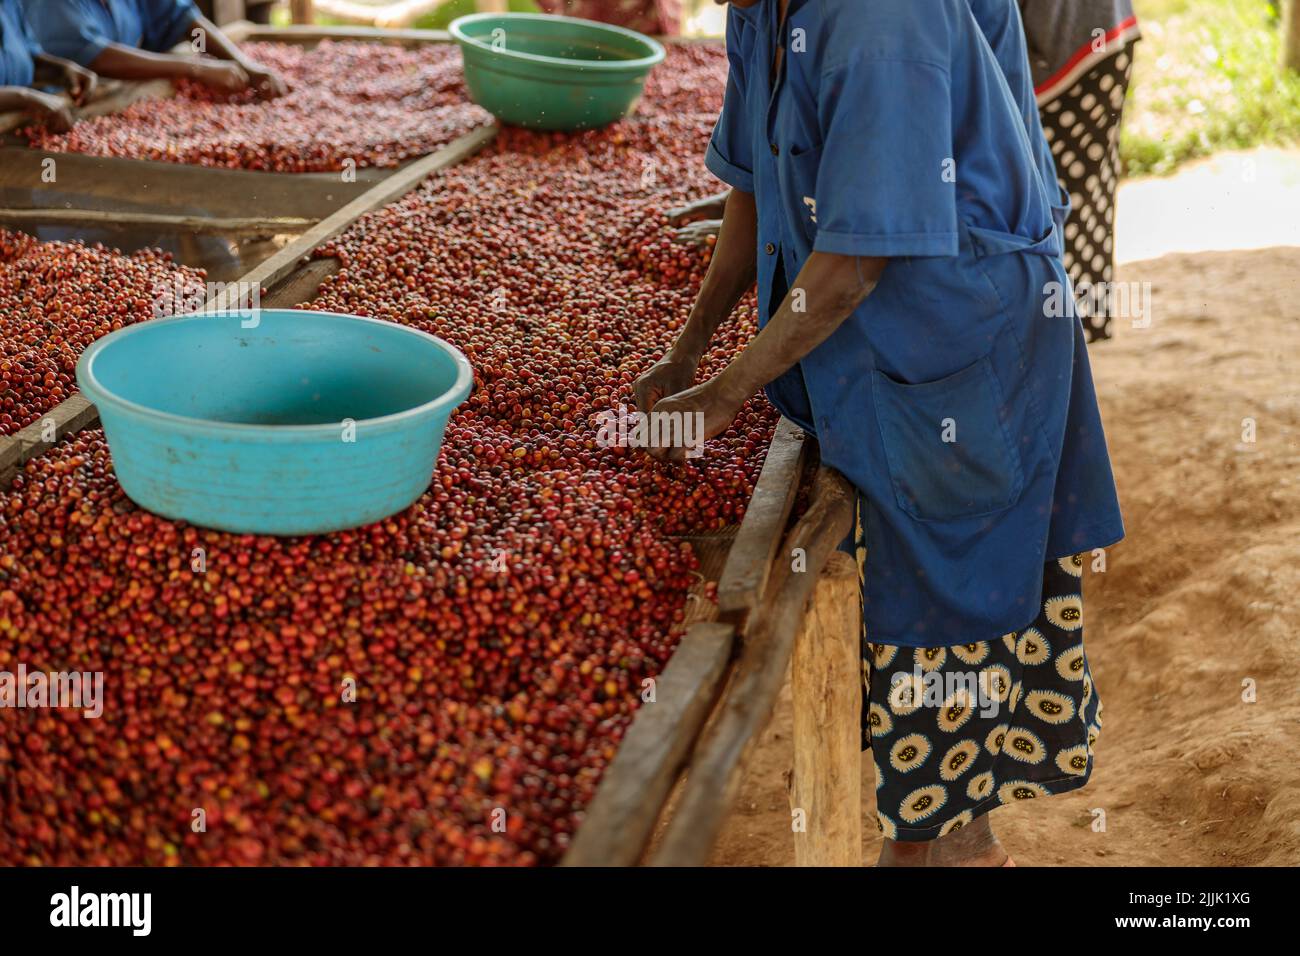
(1202, 597)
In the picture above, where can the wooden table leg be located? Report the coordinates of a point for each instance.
(825, 787)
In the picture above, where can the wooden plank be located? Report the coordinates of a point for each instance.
(825, 784)
(621, 817)
(284, 262)
(743, 579)
(714, 776)
(71, 415)
(238, 31)
(302, 286)
(236, 225)
(310, 35)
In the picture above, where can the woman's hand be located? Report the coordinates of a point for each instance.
(710, 207)
(670, 375)
(698, 233)
(714, 406)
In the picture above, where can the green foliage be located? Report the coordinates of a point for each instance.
(1207, 77)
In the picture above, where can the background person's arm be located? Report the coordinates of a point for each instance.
(122, 62)
(80, 81)
(267, 82)
(42, 106)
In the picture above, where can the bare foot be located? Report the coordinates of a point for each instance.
(973, 845)
(893, 853)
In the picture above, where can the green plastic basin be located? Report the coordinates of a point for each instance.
(555, 73)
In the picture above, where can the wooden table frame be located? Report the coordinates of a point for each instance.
(784, 595)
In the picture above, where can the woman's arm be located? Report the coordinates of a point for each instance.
(827, 290)
(123, 62)
(731, 274)
(832, 286)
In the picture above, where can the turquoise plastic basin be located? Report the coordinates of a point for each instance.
(555, 73)
(309, 422)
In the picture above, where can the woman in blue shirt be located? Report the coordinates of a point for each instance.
(131, 40)
(914, 315)
(24, 65)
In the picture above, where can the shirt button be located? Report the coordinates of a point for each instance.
(769, 248)
(776, 150)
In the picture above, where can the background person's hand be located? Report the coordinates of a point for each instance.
(52, 110)
(266, 82)
(81, 83)
(668, 376)
(710, 401)
(222, 75)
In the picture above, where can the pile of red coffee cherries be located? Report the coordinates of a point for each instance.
(443, 687)
(58, 297)
(350, 105)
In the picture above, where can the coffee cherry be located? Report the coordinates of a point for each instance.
(446, 686)
(58, 297)
(369, 104)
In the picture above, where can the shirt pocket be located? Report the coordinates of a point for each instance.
(946, 445)
(799, 188)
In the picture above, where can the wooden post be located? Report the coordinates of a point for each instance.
(302, 11)
(1291, 35)
(825, 786)
(227, 11)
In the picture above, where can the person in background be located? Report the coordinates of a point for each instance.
(1080, 52)
(24, 65)
(130, 40)
(653, 17)
(1070, 85)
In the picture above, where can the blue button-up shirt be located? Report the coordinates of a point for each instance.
(80, 29)
(17, 46)
(957, 397)
(999, 21)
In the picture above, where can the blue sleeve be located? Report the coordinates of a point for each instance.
(62, 31)
(885, 182)
(26, 36)
(166, 23)
(729, 156)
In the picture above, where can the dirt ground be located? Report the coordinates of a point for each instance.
(1198, 605)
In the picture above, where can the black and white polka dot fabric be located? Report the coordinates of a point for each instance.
(1082, 128)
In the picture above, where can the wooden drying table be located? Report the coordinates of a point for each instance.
(787, 599)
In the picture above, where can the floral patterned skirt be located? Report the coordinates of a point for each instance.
(956, 731)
